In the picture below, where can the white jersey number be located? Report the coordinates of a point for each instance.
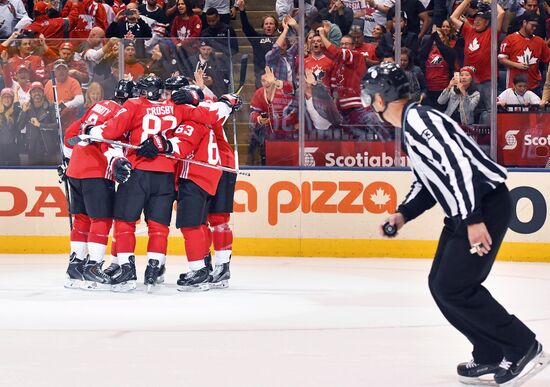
(152, 125)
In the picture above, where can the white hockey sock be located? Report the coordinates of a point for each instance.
(80, 248)
(123, 258)
(96, 251)
(222, 256)
(158, 256)
(114, 259)
(196, 265)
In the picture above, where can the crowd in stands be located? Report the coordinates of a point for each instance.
(445, 51)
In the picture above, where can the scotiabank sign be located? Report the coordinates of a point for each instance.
(334, 154)
(524, 139)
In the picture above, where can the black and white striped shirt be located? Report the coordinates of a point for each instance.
(448, 165)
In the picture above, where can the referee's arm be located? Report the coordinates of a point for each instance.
(445, 164)
(417, 201)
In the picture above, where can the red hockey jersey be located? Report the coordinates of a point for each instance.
(32, 62)
(530, 51)
(349, 70)
(227, 155)
(197, 142)
(477, 51)
(56, 30)
(321, 67)
(90, 14)
(92, 160)
(142, 118)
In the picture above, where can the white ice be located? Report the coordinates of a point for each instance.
(283, 322)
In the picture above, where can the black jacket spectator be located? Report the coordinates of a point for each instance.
(157, 13)
(140, 29)
(415, 12)
(385, 47)
(336, 12)
(223, 34)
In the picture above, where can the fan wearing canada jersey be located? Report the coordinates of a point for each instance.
(92, 172)
(150, 188)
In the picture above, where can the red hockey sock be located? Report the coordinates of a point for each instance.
(158, 237)
(221, 232)
(207, 239)
(194, 242)
(99, 230)
(125, 236)
(81, 228)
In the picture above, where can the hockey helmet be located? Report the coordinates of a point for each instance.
(199, 91)
(124, 89)
(387, 79)
(150, 87)
(176, 82)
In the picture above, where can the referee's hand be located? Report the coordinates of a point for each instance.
(480, 239)
(397, 220)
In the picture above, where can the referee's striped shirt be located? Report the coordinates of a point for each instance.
(448, 165)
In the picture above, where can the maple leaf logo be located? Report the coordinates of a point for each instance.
(474, 46)
(380, 197)
(527, 57)
(318, 72)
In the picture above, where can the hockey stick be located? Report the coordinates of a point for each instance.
(60, 132)
(242, 75)
(84, 137)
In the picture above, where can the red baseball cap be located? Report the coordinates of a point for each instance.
(41, 7)
(36, 85)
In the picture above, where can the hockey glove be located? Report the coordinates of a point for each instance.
(85, 128)
(122, 169)
(186, 96)
(62, 170)
(154, 145)
(234, 101)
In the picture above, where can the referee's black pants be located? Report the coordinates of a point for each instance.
(456, 279)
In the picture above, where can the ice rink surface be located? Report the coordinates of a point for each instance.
(283, 322)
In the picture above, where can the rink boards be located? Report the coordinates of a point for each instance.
(289, 213)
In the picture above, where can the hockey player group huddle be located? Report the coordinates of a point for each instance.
(176, 152)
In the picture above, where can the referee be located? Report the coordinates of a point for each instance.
(451, 170)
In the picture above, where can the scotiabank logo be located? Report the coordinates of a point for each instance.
(511, 140)
(363, 160)
(534, 140)
(324, 197)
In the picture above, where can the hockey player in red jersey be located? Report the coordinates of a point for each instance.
(92, 170)
(150, 189)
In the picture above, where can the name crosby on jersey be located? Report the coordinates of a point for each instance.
(102, 110)
(160, 110)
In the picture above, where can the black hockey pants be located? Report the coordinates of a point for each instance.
(456, 279)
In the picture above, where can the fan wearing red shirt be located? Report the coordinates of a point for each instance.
(150, 189)
(24, 56)
(186, 26)
(90, 14)
(318, 62)
(92, 171)
(477, 43)
(522, 52)
(57, 29)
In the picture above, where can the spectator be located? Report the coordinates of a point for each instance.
(69, 93)
(282, 57)
(408, 39)
(93, 95)
(55, 29)
(368, 50)
(214, 73)
(163, 62)
(9, 113)
(221, 35)
(37, 120)
(375, 16)
(22, 83)
(522, 53)
(270, 111)
(322, 113)
(533, 6)
(128, 24)
(91, 14)
(290, 8)
(461, 96)
(316, 61)
(262, 42)
(152, 10)
(11, 11)
(417, 82)
(416, 13)
(477, 45)
(186, 28)
(131, 65)
(25, 48)
(77, 68)
(338, 13)
(222, 7)
(437, 59)
(315, 21)
(93, 50)
(518, 94)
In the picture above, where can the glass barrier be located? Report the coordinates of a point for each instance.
(453, 62)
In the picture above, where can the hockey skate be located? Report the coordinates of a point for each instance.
(220, 276)
(475, 374)
(125, 279)
(516, 374)
(94, 277)
(208, 262)
(194, 281)
(112, 269)
(160, 278)
(74, 272)
(152, 272)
